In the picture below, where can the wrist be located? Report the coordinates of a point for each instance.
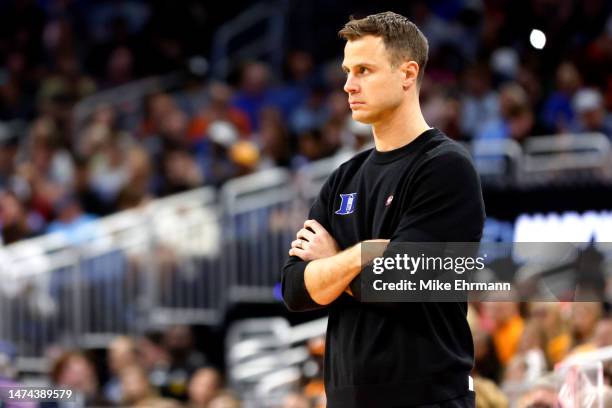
(355, 258)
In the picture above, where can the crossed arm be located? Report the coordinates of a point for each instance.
(330, 271)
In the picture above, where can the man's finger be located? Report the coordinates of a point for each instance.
(305, 235)
(315, 226)
(300, 253)
(298, 243)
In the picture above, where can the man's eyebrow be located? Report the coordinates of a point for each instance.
(358, 64)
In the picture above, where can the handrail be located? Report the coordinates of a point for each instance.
(273, 14)
(126, 95)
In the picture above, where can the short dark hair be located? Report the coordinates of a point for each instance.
(402, 38)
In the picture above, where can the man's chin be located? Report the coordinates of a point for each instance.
(361, 117)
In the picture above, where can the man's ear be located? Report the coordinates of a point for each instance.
(410, 73)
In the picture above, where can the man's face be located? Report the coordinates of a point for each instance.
(375, 88)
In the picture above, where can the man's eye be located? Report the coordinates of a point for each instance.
(362, 70)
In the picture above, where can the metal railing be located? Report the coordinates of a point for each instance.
(180, 259)
(268, 42)
(127, 99)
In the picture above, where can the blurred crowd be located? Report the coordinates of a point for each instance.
(160, 369)
(484, 80)
(518, 345)
(519, 348)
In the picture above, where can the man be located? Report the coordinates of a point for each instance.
(416, 185)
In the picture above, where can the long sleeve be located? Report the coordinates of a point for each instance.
(295, 294)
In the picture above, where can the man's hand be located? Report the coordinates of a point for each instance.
(313, 242)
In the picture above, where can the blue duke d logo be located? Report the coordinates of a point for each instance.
(347, 204)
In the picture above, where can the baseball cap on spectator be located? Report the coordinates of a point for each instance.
(505, 62)
(223, 133)
(587, 100)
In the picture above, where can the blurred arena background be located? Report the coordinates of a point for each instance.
(157, 157)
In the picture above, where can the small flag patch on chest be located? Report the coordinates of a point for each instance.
(389, 200)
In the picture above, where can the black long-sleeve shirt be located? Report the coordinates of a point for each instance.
(403, 353)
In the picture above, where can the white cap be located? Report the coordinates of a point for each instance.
(223, 133)
(505, 61)
(587, 100)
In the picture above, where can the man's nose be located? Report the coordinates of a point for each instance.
(350, 86)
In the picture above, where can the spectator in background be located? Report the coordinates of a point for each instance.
(558, 113)
(204, 386)
(8, 354)
(583, 320)
(310, 148)
(16, 92)
(312, 113)
(515, 120)
(557, 336)
(254, 93)
(218, 109)
(173, 129)
(180, 172)
(73, 370)
(121, 354)
(46, 153)
(67, 83)
(443, 111)
(212, 156)
(120, 67)
(273, 139)
(71, 222)
(486, 362)
(480, 103)
(137, 390)
(529, 362)
(184, 360)
(591, 115)
(295, 89)
(154, 358)
(338, 107)
(108, 170)
(9, 144)
(137, 190)
(8, 372)
(15, 222)
(102, 122)
(507, 328)
(332, 137)
(157, 107)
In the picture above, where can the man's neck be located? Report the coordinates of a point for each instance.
(401, 127)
